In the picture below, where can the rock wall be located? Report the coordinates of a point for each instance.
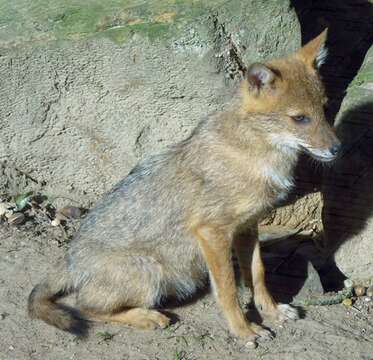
(89, 88)
(348, 196)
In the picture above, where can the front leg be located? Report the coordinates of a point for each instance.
(243, 244)
(217, 251)
(252, 269)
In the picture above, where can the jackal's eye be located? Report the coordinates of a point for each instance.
(301, 119)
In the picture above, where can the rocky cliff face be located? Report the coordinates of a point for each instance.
(88, 88)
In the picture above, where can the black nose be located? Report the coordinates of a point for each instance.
(335, 149)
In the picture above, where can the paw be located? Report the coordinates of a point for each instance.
(286, 312)
(151, 320)
(253, 334)
(161, 320)
(279, 312)
(251, 340)
(263, 334)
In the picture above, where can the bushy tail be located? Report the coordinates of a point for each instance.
(42, 305)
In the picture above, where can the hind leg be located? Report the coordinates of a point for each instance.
(123, 289)
(139, 318)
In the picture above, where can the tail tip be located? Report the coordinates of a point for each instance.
(79, 328)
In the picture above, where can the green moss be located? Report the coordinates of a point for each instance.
(77, 21)
(117, 35)
(117, 19)
(78, 24)
(121, 33)
(152, 30)
(361, 78)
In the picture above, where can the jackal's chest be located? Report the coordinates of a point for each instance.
(271, 189)
(278, 179)
(278, 182)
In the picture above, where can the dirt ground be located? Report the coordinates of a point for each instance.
(325, 332)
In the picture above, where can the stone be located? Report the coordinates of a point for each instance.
(348, 196)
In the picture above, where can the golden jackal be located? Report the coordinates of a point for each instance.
(173, 221)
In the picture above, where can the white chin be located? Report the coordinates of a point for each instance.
(323, 158)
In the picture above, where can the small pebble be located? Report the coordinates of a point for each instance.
(72, 212)
(16, 219)
(251, 345)
(4, 206)
(348, 283)
(56, 222)
(359, 290)
(347, 302)
(8, 213)
(60, 216)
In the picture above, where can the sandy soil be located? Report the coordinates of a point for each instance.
(325, 332)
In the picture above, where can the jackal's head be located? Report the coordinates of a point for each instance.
(291, 89)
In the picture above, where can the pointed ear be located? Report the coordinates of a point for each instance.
(260, 76)
(314, 52)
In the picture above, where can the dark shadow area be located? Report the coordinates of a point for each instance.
(347, 187)
(331, 277)
(288, 268)
(174, 302)
(297, 268)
